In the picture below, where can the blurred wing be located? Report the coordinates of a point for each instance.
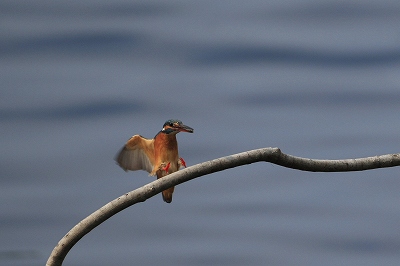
(137, 154)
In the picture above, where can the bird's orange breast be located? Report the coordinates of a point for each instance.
(166, 151)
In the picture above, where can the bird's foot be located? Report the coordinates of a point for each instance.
(166, 167)
(182, 162)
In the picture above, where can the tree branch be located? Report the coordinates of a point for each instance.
(272, 155)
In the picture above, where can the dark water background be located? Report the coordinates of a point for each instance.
(317, 79)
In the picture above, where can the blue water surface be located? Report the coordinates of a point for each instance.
(318, 79)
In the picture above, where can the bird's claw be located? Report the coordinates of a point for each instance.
(183, 163)
(166, 167)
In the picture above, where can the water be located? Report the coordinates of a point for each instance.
(317, 79)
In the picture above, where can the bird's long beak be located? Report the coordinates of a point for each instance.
(184, 128)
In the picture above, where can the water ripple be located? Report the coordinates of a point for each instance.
(81, 110)
(326, 98)
(79, 42)
(239, 55)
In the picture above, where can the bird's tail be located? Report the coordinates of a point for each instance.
(167, 194)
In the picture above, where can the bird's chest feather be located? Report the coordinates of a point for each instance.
(166, 151)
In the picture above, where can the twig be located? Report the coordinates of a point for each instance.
(272, 155)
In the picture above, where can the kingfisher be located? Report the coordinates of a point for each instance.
(158, 156)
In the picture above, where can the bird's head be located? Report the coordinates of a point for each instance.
(175, 126)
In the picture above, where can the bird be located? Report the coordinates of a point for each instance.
(158, 156)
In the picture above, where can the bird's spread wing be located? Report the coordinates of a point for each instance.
(137, 154)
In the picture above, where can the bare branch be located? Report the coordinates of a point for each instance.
(272, 155)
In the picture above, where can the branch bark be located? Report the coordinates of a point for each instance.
(272, 155)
